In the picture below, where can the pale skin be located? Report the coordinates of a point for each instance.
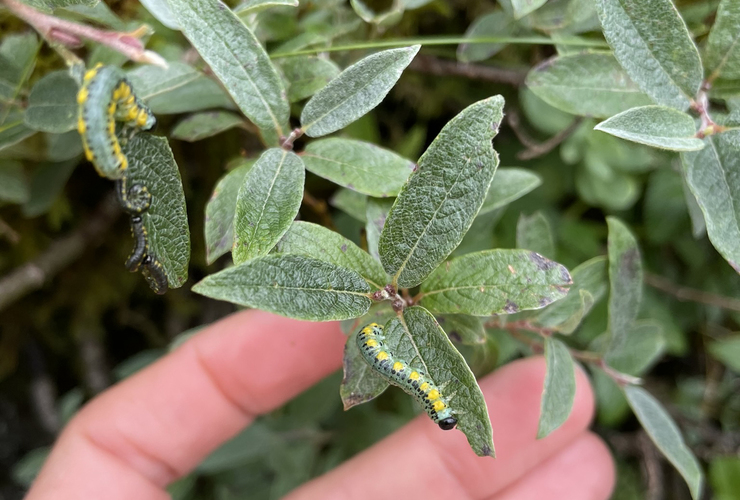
(156, 426)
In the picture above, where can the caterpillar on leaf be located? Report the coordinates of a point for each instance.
(413, 381)
(106, 97)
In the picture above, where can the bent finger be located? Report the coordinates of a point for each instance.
(161, 422)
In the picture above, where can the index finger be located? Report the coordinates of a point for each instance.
(156, 426)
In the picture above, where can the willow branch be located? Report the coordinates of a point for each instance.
(71, 34)
(685, 294)
(441, 67)
(535, 148)
(60, 254)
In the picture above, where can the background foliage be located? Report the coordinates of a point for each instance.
(618, 159)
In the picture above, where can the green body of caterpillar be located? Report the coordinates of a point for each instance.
(105, 98)
(370, 340)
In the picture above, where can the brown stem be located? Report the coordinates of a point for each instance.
(71, 34)
(535, 148)
(60, 254)
(287, 144)
(683, 293)
(441, 67)
(320, 208)
(10, 234)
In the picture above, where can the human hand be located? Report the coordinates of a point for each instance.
(156, 426)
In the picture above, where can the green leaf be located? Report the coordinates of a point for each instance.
(250, 444)
(437, 205)
(220, 210)
(307, 75)
(534, 233)
(727, 351)
(377, 213)
(312, 240)
(611, 405)
(161, 11)
(711, 175)
(249, 7)
(350, 202)
(417, 339)
(357, 165)
(494, 24)
(494, 282)
(652, 43)
(50, 5)
(356, 90)
(47, 183)
(643, 345)
(13, 130)
(509, 184)
(207, 124)
(463, 328)
(383, 19)
(724, 477)
(52, 104)
(380, 312)
(28, 467)
(268, 202)
(656, 126)
(13, 182)
(237, 59)
(667, 437)
(625, 278)
(151, 164)
(177, 89)
(524, 7)
(589, 286)
(291, 285)
(360, 383)
(17, 60)
(587, 84)
(722, 53)
(560, 388)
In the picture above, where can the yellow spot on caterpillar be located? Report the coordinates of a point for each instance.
(81, 126)
(372, 343)
(112, 108)
(82, 95)
(398, 366)
(141, 118)
(438, 405)
(124, 162)
(433, 394)
(88, 153)
(414, 376)
(424, 386)
(381, 356)
(372, 325)
(125, 91)
(111, 127)
(131, 116)
(90, 74)
(129, 100)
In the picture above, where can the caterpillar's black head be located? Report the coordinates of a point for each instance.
(447, 424)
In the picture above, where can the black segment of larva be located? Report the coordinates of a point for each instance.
(140, 244)
(154, 274)
(414, 381)
(135, 199)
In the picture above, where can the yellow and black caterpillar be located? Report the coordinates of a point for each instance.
(412, 380)
(105, 100)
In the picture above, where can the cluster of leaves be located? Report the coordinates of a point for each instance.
(433, 265)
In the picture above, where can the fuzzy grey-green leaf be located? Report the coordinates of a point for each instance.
(643, 345)
(291, 285)
(151, 164)
(220, 210)
(52, 104)
(666, 435)
(727, 350)
(307, 75)
(437, 205)
(463, 328)
(377, 213)
(533, 232)
(206, 124)
(509, 184)
(652, 43)
(237, 59)
(559, 391)
(267, 203)
(13, 182)
(350, 202)
(712, 177)
(418, 340)
(625, 278)
(493, 24)
(524, 7)
(586, 83)
(360, 382)
(495, 282)
(312, 240)
(722, 53)
(357, 165)
(356, 90)
(657, 126)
